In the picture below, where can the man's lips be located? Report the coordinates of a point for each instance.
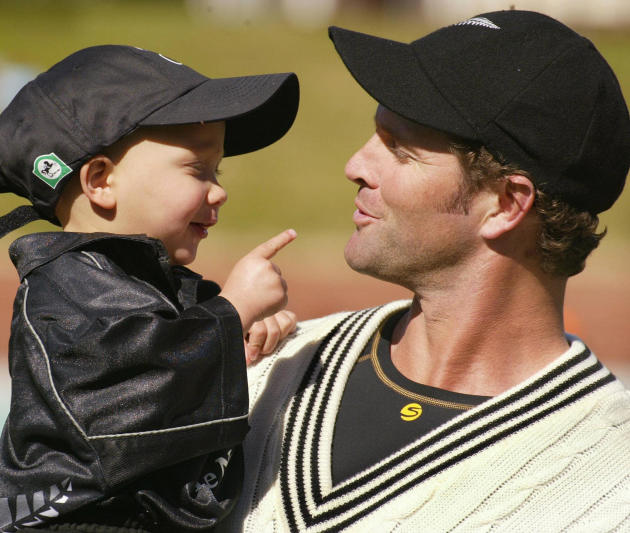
(362, 216)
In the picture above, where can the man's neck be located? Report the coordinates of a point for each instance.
(484, 335)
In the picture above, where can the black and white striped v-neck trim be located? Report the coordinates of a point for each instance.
(310, 500)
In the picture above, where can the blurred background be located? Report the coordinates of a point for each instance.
(299, 181)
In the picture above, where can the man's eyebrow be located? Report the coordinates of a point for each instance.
(382, 130)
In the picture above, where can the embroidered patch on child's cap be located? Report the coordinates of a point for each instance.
(50, 169)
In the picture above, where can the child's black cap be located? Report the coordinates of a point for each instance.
(530, 89)
(97, 95)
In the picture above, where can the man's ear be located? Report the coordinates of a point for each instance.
(514, 199)
(95, 176)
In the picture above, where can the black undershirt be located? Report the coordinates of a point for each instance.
(381, 410)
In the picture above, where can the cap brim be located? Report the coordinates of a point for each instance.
(258, 110)
(393, 75)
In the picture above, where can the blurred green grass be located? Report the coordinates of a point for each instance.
(299, 181)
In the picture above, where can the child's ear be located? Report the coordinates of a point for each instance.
(514, 198)
(96, 183)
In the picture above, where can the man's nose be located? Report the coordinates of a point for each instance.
(359, 166)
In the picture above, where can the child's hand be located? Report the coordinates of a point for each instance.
(264, 335)
(255, 286)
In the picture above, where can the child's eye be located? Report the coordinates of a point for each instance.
(195, 169)
(203, 172)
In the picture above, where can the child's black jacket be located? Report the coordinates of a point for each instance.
(128, 387)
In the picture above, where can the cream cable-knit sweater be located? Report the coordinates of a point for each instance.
(551, 454)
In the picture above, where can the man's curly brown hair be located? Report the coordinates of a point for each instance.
(567, 235)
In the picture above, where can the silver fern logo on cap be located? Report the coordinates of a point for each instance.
(479, 21)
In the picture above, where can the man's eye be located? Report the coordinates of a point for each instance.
(395, 149)
(401, 155)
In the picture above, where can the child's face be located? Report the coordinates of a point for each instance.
(166, 186)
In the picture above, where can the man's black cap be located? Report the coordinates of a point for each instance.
(97, 95)
(530, 89)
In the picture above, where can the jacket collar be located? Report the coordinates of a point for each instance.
(34, 250)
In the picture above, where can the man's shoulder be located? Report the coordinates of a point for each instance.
(613, 408)
(316, 329)
(292, 357)
(369, 315)
(296, 349)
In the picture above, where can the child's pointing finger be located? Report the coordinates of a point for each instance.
(271, 247)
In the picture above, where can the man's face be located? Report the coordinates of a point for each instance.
(166, 186)
(408, 227)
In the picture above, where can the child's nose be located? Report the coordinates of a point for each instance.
(217, 195)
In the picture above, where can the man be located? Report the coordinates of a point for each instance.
(498, 141)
